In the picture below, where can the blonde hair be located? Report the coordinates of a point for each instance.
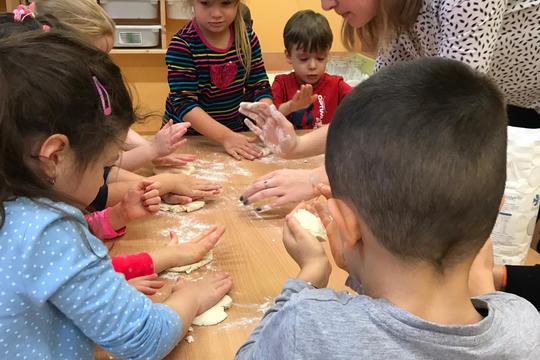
(241, 38)
(392, 19)
(85, 17)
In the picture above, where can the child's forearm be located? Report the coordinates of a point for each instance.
(285, 108)
(134, 140)
(204, 124)
(163, 259)
(117, 217)
(137, 157)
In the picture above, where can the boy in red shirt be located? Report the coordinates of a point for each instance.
(308, 96)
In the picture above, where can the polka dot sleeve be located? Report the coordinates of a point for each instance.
(469, 33)
(98, 300)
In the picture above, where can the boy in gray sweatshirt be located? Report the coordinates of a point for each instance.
(416, 158)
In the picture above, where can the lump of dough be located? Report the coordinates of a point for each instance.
(311, 223)
(215, 314)
(192, 206)
(187, 169)
(192, 267)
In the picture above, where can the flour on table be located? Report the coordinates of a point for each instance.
(311, 223)
(192, 267)
(190, 339)
(215, 314)
(187, 169)
(192, 206)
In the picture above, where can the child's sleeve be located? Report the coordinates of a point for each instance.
(257, 85)
(274, 338)
(81, 283)
(278, 92)
(99, 225)
(343, 89)
(133, 266)
(182, 77)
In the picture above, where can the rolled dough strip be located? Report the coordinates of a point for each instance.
(215, 314)
(192, 267)
(311, 223)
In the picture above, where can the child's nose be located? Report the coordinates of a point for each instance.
(312, 63)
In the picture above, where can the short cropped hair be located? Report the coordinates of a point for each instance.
(308, 31)
(419, 151)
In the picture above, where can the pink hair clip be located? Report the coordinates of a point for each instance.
(46, 28)
(22, 12)
(105, 104)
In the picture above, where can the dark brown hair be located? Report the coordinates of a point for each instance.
(393, 18)
(419, 151)
(48, 88)
(308, 31)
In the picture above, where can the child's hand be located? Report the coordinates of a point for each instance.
(240, 146)
(272, 127)
(169, 138)
(196, 249)
(148, 284)
(174, 160)
(182, 189)
(307, 251)
(141, 201)
(302, 99)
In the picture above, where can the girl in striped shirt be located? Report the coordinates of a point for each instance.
(214, 62)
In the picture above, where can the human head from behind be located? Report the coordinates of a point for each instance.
(308, 38)
(64, 114)
(373, 22)
(85, 17)
(416, 159)
(216, 17)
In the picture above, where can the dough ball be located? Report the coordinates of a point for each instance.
(311, 223)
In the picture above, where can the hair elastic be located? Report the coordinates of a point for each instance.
(105, 104)
(22, 12)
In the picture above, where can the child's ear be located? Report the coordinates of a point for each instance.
(54, 148)
(348, 230)
(288, 56)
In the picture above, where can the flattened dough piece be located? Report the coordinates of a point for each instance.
(265, 150)
(192, 206)
(192, 267)
(311, 223)
(215, 314)
(187, 169)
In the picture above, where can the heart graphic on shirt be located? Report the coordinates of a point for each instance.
(223, 75)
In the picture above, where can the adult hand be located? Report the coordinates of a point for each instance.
(287, 186)
(271, 126)
(174, 160)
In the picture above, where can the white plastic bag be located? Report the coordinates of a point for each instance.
(515, 224)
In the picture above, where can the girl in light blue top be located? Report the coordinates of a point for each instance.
(64, 113)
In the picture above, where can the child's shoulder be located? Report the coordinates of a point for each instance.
(39, 211)
(187, 33)
(512, 310)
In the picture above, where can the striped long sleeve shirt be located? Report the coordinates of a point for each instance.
(201, 75)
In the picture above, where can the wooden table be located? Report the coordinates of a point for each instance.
(251, 249)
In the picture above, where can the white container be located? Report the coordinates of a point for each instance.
(131, 9)
(179, 9)
(137, 36)
(515, 224)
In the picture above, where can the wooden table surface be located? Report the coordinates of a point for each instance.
(251, 249)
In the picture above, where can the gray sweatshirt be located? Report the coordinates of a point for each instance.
(308, 323)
